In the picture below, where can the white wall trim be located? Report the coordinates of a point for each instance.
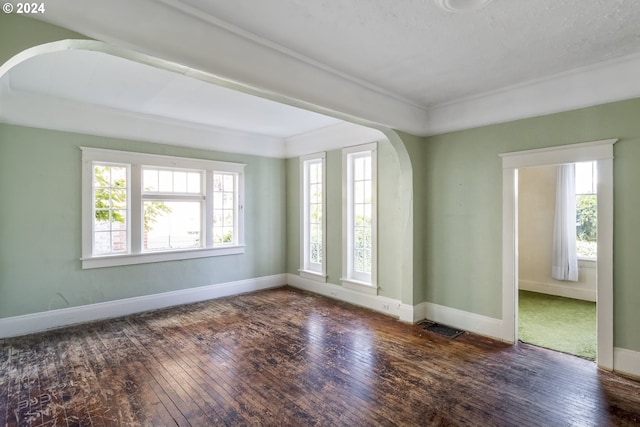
(37, 322)
(464, 320)
(602, 151)
(377, 303)
(601, 83)
(558, 290)
(329, 138)
(626, 362)
(557, 155)
(47, 112)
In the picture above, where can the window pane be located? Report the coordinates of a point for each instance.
(118, 198)
(119, 241)
(102, 243)
(227, 200)
(359, 260)
(358, 188)
(224, 209)
(586, 178)
(150, 180)
(165, 181)
(172, 225)
(118, 176)
(586, 225)
(218, 182)
(228, 218)
(358, 169)
(119, 219)
(179, 182)
(109, 209)
(228, 183)
(102, 221)
(193, 182)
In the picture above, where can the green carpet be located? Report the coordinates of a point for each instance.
(562, 324)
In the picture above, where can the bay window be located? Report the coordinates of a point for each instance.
(140, 208)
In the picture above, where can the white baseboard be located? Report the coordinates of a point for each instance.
(459, 319)
(378, 303)
(558, 290)
(37, 322)
(626, 362)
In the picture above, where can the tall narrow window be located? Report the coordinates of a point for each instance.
(110, 209)
(586, 209)
(225, 212)
(359, 217)
(312, 170)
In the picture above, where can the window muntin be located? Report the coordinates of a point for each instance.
(171, 181)
(162, 210)
(313, 246)
(359, 217)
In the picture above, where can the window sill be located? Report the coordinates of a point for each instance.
(313, 275)
(587, 262)
(363, 287)
(148, 257)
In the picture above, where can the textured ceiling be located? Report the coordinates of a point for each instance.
(415, 50)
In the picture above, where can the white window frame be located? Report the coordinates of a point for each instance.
(350, 278)
(135, 162)
(309, 270)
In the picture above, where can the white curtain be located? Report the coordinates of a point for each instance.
(565, 258)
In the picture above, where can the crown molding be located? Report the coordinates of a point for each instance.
(40, 111)
(245, 63)
(332, 137)
(600, 83)
(241, 61)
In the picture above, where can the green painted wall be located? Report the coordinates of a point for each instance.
(18, 33)
(40, 235)
(463, 194)
(455, 221)
(389, 228)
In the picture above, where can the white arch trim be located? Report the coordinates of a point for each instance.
(38, 110)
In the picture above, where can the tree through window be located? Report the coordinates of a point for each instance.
(586, 209)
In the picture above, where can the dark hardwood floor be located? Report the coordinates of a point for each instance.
(288, 358)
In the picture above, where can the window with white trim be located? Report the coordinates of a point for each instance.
(313, 240)
(586, 209)
(359, 218)
(140, 208)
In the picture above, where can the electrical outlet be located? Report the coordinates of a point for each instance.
(385, 306)
(333, 293)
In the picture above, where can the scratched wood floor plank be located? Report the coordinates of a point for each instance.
(130, 365)
(174, 368)
(163, 374)
(224, 397)
(5, 380)
(286, 357)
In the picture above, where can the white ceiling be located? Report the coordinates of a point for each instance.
(418, 52)
(97, 78)
(405, 64)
